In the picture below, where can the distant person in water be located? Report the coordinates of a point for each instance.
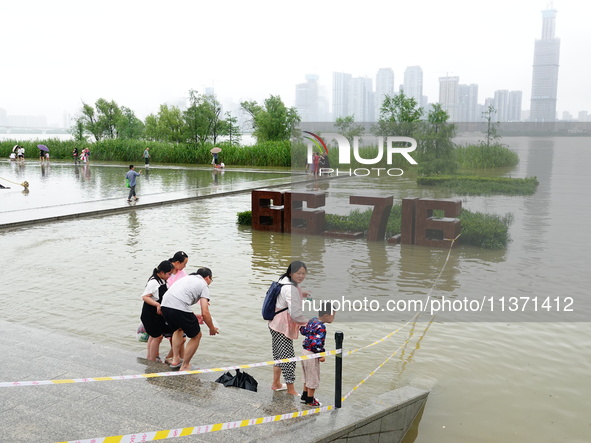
(146, 156)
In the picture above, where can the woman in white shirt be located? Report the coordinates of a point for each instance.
(151, 316)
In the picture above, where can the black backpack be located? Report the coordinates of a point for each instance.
(270, 301)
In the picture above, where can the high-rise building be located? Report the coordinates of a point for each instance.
(468, 103)
(501, 104)
(361, 99)
(384, 86)
(544, 83)
(514, 113)
(413, 83)
(341, 89)
(449, 97)
(307, 99)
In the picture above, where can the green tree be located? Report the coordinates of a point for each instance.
(273, 121)
(491, 130)
(399, 115)
(348, 128)
(436, 149)
(78, 131)
(205, 122)
(199, 117)
(89, 120)
(129, 126)
(229, 128)
(167, 126)
(108, 116)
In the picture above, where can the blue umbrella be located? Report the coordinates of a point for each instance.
(43, 148)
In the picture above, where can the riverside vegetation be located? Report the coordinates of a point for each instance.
(186, 137)
(487, 231)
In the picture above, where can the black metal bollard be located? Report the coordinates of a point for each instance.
(338, 378)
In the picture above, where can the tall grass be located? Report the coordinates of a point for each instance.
(478, 229)
(465, 185)
(485, 157)
(130, 151)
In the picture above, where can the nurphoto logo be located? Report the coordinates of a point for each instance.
(389, 148)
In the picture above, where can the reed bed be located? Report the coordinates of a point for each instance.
(470, 185)
(131, 151)
(485, 157)
(485, 231)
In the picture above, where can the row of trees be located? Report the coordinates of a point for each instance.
(201, 122)
(401, 115)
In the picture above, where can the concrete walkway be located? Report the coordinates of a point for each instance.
(66, 412)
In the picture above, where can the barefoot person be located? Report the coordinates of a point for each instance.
(176, 308)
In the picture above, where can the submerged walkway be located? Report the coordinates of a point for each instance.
(45, 214)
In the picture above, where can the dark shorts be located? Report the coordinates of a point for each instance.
(187, 321)
(154, 324)
(147, 160)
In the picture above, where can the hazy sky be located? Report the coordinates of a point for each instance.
(56, 54)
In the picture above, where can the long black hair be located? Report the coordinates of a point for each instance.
(164, 266)
(294, 266)
(179, 256)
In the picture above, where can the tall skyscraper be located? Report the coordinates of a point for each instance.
(449, 96)
(307, 99)
(545, 71)
(468, 103)
(361, 103)
(384, 86)
(413, 83)
(341, 89)
(514, 113)
(501, 101)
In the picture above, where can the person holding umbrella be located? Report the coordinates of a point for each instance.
(43, 153)
(214, 152)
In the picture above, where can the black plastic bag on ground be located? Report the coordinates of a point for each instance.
(225, 378)
(241, 380)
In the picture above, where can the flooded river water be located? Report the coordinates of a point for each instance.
(495, 378)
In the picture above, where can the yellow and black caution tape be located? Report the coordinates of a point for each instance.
(164, 374)
(182, 432)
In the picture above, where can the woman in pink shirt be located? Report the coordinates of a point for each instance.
(179, 260)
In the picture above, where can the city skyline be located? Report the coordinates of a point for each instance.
(153, 55)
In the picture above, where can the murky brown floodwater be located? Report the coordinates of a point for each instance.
(491, 381)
